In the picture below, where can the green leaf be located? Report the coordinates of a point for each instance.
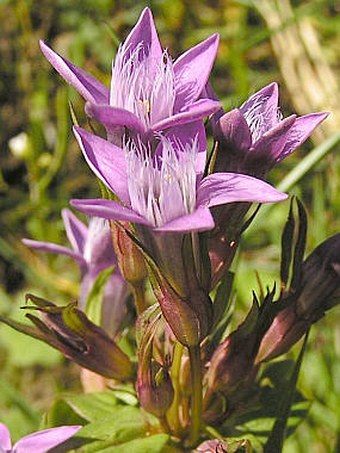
(126, 394)
(279, 431)
(300, 246)
(124, 424)
(287, 246)
(151, 444)
(221, 307)
(60, 412)
(92, 406)
(93, 308)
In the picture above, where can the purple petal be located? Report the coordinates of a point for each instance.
(196, 111)
(200, 220)
(111, 117)
(300, 131)
(192, 70)
(42, 441)
(108, 209)
(76, 231)
(221, 188)
(106, 160)
(56, 249)
(262, 108)
(89, 87)
(144, 33)
(271, 144)
(186, 134)
(233, 128)
(5, 438)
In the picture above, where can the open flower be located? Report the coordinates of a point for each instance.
(251, 140)
(149, 92)
(39, 442)
(93, 251)
(255, 137)
(165, 191)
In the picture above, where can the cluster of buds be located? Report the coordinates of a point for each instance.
(174, 218)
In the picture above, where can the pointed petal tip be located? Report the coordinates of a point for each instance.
(146, 12)
(46, 50)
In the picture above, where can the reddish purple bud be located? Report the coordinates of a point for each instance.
(130, 259)
(154, 386)
(188, 316)
(232, 364)
(71, 332)
(319, 290)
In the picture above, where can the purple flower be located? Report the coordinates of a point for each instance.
(255, 137)
(165, 191)
(39, 442)
(93, 251)
(149, 92)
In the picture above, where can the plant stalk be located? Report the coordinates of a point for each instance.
(197, 394)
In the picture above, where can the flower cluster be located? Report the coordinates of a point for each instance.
(172, 215)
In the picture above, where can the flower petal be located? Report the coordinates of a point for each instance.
(89, 87)
(200, 220)
(196, 111)
(300, 131)
(233, 128)
(106, 160)
(49, 247)
(111, 117)
(144, 33)
(76, 230)
(192, 70)
(108, 209)
(42, 441)
(5, 438)
(261, 109)
(185, 135)
(271, 144)
(221, 188)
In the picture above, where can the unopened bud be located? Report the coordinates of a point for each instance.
(71, 332)
(154, 386)
(318, 291)
(189, 317)
(130, 259)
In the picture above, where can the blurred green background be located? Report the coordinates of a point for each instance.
(293, 42)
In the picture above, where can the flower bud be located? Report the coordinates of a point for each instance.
(71, 332)
(232, 363)
(189, 316)
(130, 259)
(318, 291)
(154, 386)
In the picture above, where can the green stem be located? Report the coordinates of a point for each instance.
(197, 393)
(173, 413)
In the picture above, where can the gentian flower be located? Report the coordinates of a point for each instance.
(149, 92)
(39, 442)
(255, 137)
(166, 191)
(93, 251)
(251, 140)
